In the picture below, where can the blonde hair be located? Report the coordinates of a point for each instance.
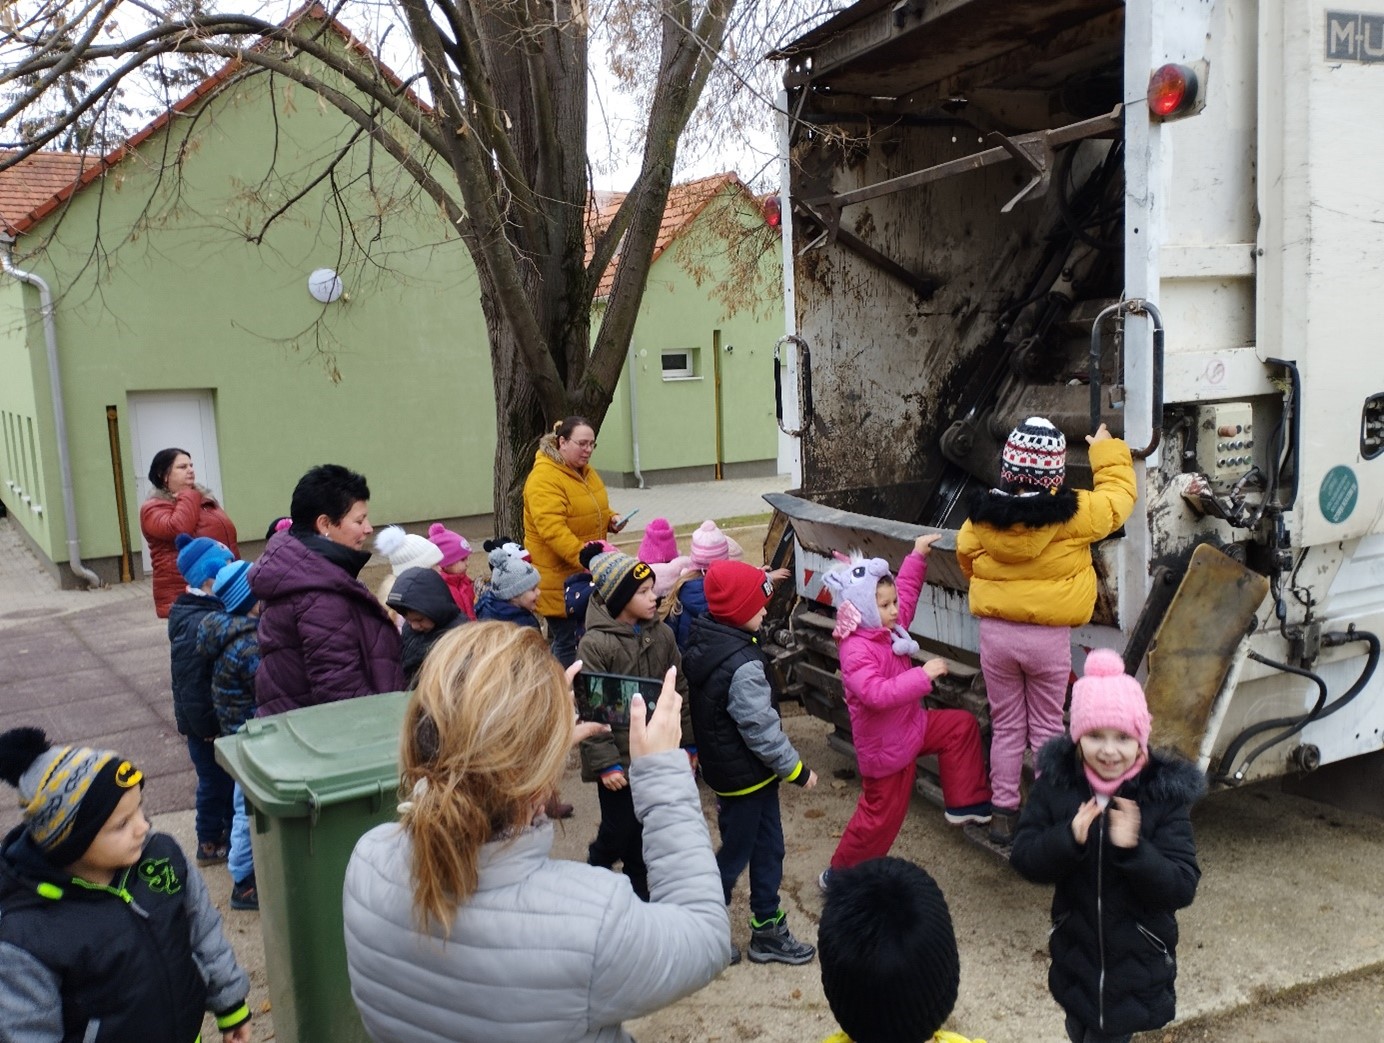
(486, 735)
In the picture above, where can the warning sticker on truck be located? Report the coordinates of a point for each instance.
(1354, 37)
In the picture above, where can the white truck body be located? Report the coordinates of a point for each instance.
(1256, 228)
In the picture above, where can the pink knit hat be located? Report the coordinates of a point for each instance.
(453, 545)
(1107, 697)
(659, 545)
(709, 544)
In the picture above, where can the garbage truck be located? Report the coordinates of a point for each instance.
(1166, 216)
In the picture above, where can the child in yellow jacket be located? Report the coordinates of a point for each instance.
(1026, 549)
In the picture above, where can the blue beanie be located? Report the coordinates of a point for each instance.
(232, 586)
(199, 560)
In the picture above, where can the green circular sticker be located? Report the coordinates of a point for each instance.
(1338, 495)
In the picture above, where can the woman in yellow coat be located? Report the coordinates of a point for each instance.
(1026, 549)
(565, 508)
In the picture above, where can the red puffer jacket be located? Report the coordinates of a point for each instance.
(162, 517)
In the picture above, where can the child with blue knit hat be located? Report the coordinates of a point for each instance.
(106, 933)
(194, 712)
(228, 636)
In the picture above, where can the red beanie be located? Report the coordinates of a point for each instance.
(735, 591)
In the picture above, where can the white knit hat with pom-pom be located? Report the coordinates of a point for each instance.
(405, 550)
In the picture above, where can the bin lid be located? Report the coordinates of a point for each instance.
(294, 764)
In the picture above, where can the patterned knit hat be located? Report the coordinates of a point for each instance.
(510, 575)
(736, 591)
(232, 586)
(616, 576)
(659, 545)
(709, 544)
(405, 550)
(200, 559)
(68, 791)
(1035, 457)
(887, 949)
(453, 545)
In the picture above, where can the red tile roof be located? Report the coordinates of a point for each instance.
(81, 175)
(685, 203)
(27, 186)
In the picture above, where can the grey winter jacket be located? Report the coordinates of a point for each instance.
(545, 950)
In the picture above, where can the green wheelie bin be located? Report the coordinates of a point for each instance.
(315, 780)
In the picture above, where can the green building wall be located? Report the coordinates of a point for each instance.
(166, 283)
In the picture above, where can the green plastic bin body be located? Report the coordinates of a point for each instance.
(316, 779)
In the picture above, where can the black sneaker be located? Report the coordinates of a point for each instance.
(212, 852)
(245, 895)
(774, 943)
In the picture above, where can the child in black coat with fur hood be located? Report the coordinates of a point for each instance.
(1108, 823)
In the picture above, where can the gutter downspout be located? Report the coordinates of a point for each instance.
(634, 416)
(50, 340)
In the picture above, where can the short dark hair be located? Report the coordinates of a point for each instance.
(887, 949)
(564, 428)
(328, 489)
(162, 464)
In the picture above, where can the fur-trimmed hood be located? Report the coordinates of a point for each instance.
(1167, 778)
(163, 494)
(1035, 511)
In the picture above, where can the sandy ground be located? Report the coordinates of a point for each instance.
(1285, 939)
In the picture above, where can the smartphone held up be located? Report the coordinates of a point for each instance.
(605, 698)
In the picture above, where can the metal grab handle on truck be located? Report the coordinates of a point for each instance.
(804, 382)
(1133, 306)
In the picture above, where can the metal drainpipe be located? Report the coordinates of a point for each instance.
(50, 340)
(634, 417)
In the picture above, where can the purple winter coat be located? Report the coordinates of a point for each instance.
(323, 636)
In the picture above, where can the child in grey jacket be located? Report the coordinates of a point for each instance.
(106, 933)
(743, 750)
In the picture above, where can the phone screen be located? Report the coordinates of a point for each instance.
(605, 698)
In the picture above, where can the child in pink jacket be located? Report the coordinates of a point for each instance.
(884, 693)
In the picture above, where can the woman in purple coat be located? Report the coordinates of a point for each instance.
(323, 636)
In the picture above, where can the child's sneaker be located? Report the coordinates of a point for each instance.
(773, 942)
(824, 880)
(245, 895)
(212, 852)
(977, 814)
(1002, 826)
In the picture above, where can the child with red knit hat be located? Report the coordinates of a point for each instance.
(1108, 822)
(744, 752)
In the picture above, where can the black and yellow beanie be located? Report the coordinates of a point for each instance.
(67, 792)
(615, 576)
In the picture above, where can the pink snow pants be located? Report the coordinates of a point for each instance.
(1026, 667)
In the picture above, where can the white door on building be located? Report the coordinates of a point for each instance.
(162, 419)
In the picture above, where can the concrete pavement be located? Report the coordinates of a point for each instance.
(1287, 895)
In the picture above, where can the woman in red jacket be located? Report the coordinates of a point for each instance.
(178, 505)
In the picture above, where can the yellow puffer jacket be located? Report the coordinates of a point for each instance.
(1029, 557)
(564, 510)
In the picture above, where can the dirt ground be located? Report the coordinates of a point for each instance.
(1285, 941)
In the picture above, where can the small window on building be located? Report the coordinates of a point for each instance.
(679, 363)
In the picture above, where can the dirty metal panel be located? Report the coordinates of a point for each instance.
(1209, 616)
(891, 50)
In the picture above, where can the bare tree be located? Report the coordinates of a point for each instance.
(499, 146)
